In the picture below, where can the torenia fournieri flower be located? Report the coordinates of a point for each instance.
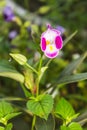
(12, 34)
(51, 42)
(8, 14)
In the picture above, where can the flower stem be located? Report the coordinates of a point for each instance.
(49, 62)
(33, 122)
(39, 71)
(34, 70)
(37, 91)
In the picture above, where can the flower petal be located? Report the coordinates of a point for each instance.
(43, 44)
(51, 55)
(58, 42)
(51, 51)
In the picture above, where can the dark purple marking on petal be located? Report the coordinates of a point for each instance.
(43, 44)
(58, 42)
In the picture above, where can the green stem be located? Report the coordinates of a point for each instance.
(40, 63)
(13, 99)
(37, 87)
(49, 62)
(30, 67)
(39, 69)
(33, 122)
(64, 122)
(37, 92)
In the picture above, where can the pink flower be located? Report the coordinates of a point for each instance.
(51, 42)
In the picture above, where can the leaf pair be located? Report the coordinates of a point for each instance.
(65, 111)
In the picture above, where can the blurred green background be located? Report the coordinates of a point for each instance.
(71, 15)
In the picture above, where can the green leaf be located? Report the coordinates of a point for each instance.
(72, 126)
(69, 38)
(5, 109)
(6, 70)
(11, 115)
(2, 128)
(74, 116)
(9, 126)
(21, 59)
(75, 126)
(72, 78)
(64, 110)
(41, 106)
(82, 119)
(42, 124)
(6, 112)
(65, 128)
(72, 66)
